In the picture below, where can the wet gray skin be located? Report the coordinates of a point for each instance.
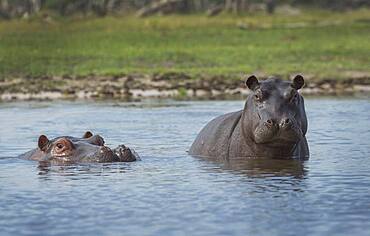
(273, 124)
(89, 148)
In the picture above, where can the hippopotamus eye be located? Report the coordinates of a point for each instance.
(60, 145)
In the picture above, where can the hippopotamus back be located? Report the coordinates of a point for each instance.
(214, 139)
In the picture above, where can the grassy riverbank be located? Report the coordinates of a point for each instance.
(320, 44)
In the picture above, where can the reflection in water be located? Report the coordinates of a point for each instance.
(98, 169)
(264, 167)
(276, 177)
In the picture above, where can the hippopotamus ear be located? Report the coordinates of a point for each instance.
(87, 134)
(252, 82)
(298, 82)
(43, 142)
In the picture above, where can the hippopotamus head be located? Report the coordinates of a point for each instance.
(89, 148)
(275, 112)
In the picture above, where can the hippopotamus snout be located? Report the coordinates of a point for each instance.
(120, 153)
(105, 154)
(283, 123)
(272, 129)
(105, 150)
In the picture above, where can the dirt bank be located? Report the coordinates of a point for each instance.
(168, 85)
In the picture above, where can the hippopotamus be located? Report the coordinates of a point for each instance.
(89, 148)
(273, 124)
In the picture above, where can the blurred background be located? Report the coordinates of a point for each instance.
(179, 48)
(24, 8)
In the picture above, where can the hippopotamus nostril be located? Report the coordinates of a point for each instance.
(104, 149)
(269, 123)
(285, 123)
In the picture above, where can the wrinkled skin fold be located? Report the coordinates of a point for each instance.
(89, 148)
(273, 124)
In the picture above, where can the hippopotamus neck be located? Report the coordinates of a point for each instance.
(246, 125)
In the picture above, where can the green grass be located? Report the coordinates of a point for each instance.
(195, 44)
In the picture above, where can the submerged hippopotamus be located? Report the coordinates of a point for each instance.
(273, 124)
(89, 148)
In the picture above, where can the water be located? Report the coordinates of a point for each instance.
(172, 193)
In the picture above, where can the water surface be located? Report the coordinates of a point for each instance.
(172, 193)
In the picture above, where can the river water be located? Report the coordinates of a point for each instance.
(172, 193)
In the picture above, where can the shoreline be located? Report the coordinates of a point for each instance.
(166, 85)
